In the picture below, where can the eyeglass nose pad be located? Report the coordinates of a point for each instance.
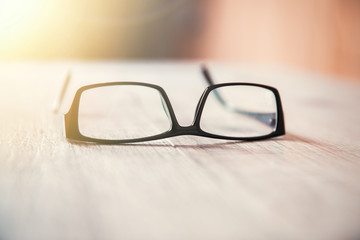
(163, 103)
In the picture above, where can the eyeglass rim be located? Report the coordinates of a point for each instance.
(73, 133)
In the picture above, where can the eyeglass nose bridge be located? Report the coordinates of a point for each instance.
(192, 129)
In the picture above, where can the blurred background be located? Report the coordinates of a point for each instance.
(321, 35)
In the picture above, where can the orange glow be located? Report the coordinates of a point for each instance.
(317, 35)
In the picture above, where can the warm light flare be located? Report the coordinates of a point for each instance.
(45, 29)
(18, 19)
(17, 15)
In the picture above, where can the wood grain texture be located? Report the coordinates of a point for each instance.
(304, 185)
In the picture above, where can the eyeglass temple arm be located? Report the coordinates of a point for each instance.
(266, 118)
(58, 102)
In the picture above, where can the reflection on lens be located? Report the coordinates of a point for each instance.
(122, 112)
(239, 111)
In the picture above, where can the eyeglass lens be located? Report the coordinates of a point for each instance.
(239, 111)
(122, 112)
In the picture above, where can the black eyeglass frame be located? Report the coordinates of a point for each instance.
(72, 131)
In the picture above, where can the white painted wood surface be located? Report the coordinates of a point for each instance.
(305, 185)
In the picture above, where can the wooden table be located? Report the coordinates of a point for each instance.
(305, 185)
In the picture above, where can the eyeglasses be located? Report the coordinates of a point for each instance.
(128, 112)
